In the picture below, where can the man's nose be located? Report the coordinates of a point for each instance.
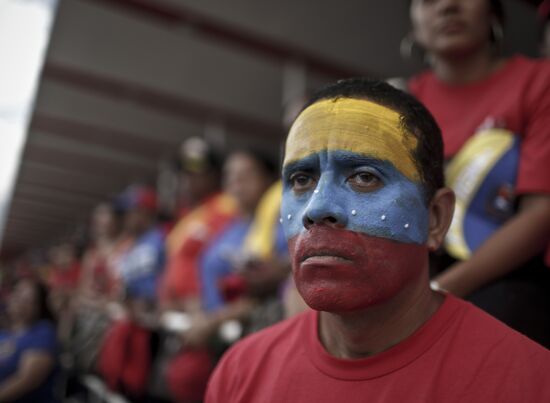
(324, 208)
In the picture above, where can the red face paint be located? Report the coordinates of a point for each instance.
(337, 270)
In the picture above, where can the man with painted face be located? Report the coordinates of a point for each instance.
(363, 204)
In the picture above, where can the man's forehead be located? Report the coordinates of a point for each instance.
(352, 125)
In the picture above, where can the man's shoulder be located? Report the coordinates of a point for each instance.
(491, 359)
(485, 335)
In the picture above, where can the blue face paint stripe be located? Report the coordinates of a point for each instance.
(395, 211)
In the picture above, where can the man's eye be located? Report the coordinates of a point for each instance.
(301, 182)
(364, 182)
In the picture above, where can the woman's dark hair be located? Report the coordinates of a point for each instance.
(44, 311)
(42, 299)
(415, 119)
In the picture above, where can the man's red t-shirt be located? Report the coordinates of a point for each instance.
(461, 354)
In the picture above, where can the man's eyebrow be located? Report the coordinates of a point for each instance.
(352, 160)
(307, 164)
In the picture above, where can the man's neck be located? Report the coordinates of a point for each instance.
(376, 329)
(467, 68)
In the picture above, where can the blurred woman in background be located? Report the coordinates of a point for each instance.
(96, 288)
(246, 176)
(28, 350)
(494, 113)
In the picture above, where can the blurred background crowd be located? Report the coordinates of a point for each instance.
(142, 236)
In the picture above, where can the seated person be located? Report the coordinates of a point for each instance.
(63, 278)
(29, 348)
(125, 358)
(206, 212)
(363, 203)
(246, 176)
(96, 288)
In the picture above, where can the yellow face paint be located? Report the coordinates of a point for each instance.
(356, 125)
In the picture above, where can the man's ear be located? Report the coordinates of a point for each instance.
(441, 212)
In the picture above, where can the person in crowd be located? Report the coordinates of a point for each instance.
(205, 212)
(65, 270)
(247, 175)
(97, 287)
(125, 357)
(226, 291)
(28, 347)
(98, 279)
(140, 267)
(63, 277)
(494, 113)
(363, 204)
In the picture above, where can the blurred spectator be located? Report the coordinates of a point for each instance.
(247, 175)
(97, 287)
(494, 113)
(141, 265)
(65, 269)
(63, 278)
(28, 361)
(125, 358)
(205, 212)
(98, 279)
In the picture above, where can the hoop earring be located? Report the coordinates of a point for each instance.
(409, 49)
(406, 46)
(497, 34)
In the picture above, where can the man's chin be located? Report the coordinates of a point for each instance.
(322, 298)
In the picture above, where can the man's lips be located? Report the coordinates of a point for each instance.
(325, 245)
(325, 260)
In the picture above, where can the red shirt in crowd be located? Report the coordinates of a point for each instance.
(65, 279)
(515, 98)
(460, 354)
(186, 243)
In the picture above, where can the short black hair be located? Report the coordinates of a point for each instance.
(415, 119)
